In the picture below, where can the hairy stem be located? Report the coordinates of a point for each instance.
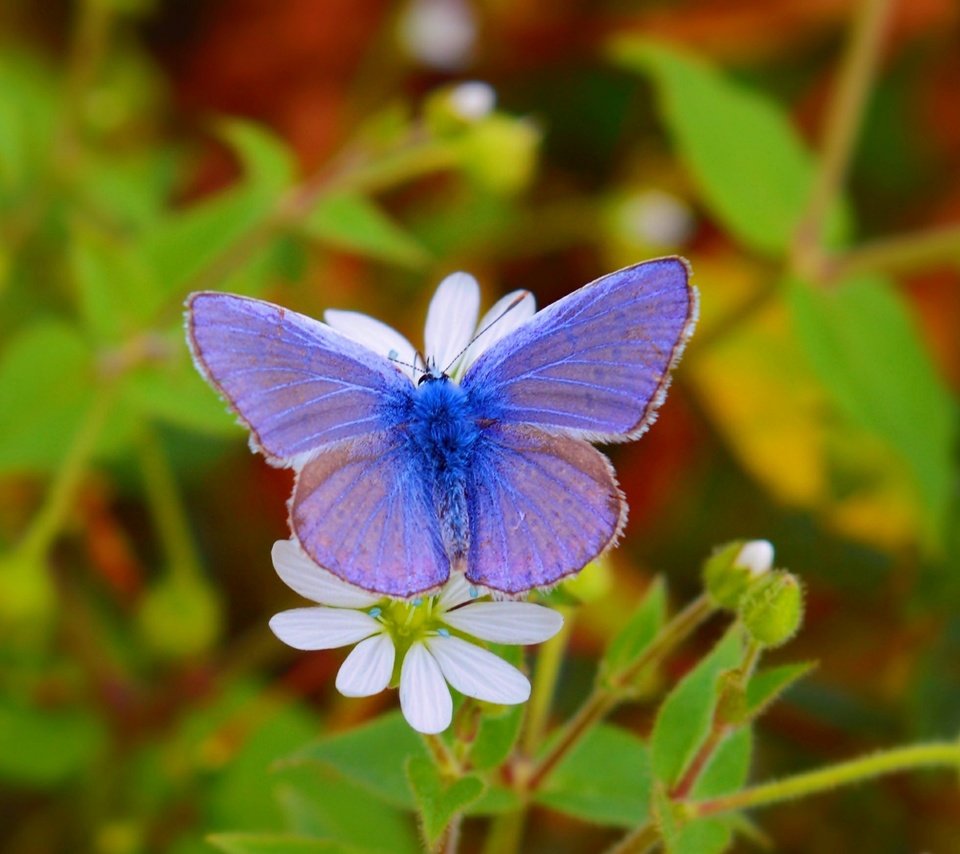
(606, 696)
(824, 779)
(166, 506)
(843, 123)
(50, 518)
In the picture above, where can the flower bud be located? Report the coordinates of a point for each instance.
(732, 568)
(771, 610)
(500, 152)
(452, 109)
(180, 617)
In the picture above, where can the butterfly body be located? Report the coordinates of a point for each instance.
(399, 482)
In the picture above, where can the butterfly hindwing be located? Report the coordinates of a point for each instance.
(361, 509)
(296, 383)
(541, 507)
(596, 363)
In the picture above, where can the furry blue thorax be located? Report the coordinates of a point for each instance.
(443, 432)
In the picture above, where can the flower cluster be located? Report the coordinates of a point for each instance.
(421, 644)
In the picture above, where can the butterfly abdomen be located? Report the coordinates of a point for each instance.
(444, 432)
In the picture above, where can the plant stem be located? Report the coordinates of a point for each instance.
(607, 696)
(638, 841)
(812, 782)
(167, 508)
(899, 254)
(506, 833)
(444, 758)
(50, 518)
(549, 661)
(843, 123)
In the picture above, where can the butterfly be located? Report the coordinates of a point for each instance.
(402, 478)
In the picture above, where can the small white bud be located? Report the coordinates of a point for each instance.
(756, 556)
(473, 100)
(439, 33)
(657, 218)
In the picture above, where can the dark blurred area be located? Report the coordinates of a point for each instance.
(144, 146)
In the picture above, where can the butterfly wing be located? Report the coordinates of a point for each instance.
(595, 364)
(361, 509)
(296, 383)
(540, 507)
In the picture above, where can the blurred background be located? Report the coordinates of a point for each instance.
(323, 153)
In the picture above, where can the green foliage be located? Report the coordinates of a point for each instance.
(45, 747)
(372, 756)
(496, 736)
(638, 632)
(605, 779)
(351, 221)
(46, 389)
(439, 799)
(684, 718)
(767, 686)
(867, 351)
(278, 843)
(750, 165)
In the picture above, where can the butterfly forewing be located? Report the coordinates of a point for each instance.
(541, 507)
(596, 363)
(296, 383)
(361, 509)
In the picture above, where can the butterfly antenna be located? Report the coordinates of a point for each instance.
(394, 357)
(519, 298)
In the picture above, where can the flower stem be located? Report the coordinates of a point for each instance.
(49, 520)
(165, 505)
(549, 661)
(638, 841)
(843, 122)
(899, 254)
(606, 696)
(844, 773)
(444, 758)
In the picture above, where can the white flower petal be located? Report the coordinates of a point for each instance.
(322, 628)
(495, 325)
(374, 335)
(368, 668)
(456, 591)
(299, 572)
(477, 672)
(756, 556)
(451, 319)
(424, 697)
(506, 622)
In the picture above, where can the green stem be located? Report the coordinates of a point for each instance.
(446, 761)
(843, 123)
(844, 773)
(606, 696)
(506, 833)
(899, 254)
(50, 519)
(638, 841)
(167, 508)
(549, 662)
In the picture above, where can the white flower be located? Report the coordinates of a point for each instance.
(755, 556)
(451, 326)
(428, 638)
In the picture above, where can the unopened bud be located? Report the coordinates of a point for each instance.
(450, 110)
(732, 568)
(772, 608)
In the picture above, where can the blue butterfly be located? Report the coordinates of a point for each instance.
(402, 478)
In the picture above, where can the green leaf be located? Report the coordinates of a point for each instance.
(278, 843)
(702, 836)
(768, 685)
(372, 756)
(353, 222)
(46, 387)
(605, 779)
(495, 737)
(44, 747)
(867, 351)
(117, 294)
(319, 802)
(684, 719)
(179, 247)
(728, 768)
(267, 161)
(640, 630)
(753, 171)
(495, 800)
(437, 799)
